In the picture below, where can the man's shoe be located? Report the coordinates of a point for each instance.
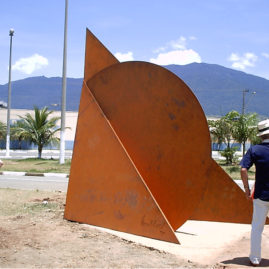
(255, 262)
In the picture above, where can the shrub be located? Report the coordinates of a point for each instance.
(229, 154)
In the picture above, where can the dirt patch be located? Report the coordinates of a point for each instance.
(33, 233)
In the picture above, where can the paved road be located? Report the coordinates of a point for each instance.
(52, 183)
(240, 184)
(49, 183)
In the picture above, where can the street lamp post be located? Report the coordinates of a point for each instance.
(243, 118)
(62, 136)
(244, 100)
(11, 33)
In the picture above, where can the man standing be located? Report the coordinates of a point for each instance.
(258, 155)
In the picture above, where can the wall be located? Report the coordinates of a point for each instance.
(70, 120)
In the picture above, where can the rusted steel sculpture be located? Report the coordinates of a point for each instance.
(142, 155)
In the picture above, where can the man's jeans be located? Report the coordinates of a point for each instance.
(260, 211)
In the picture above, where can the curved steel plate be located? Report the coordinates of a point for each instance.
(157, 118)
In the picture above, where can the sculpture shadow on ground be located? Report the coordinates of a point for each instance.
(245, 261)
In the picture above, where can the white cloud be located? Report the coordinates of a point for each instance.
(161, 49)
(30, 64)
(180, 43)
(123, 57)
(241, 62)
(180, 57)
(234, 57)
(176, 52)
(266, 55)
(193, 37)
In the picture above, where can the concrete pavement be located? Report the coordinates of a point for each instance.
(42, 181)
(54, 153)
(10, 173)
(23, 154)
(51, 182)
(202, 242)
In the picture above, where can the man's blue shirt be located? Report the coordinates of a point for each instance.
(259, 155)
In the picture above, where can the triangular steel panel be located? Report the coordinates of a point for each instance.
(105, 189)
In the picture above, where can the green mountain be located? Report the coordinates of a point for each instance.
(42, 91)
(218, 89)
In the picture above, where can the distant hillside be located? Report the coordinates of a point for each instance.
(43, 91)
(217, 88)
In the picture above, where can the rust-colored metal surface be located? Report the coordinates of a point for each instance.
(97, 56)
(154, 115)
(223, 200)
(142, 155)
(105, 189)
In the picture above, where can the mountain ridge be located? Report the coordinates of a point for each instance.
(219, 89)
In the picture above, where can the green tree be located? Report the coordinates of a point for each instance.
(229, 154)
(222, 132)
(3, 130)
(16, 132)
(40, 129)
(228, 123)
(216, 131)
(221, 129)
(255, 139)
(245, 128)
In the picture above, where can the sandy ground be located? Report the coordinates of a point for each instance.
(34, 234)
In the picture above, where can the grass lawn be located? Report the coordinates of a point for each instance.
(21, 202)
(36, 165)
(234, 170)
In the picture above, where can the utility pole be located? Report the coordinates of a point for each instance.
(243, 115)
(62, 137)
(244, 101)
(11, 33)
(244, 105)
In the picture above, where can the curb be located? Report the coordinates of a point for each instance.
(10, 173)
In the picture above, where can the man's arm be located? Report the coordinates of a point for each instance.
(244, 177)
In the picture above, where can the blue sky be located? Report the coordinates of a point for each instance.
(232, 33)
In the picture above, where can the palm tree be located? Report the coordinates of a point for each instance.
(39, 129)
